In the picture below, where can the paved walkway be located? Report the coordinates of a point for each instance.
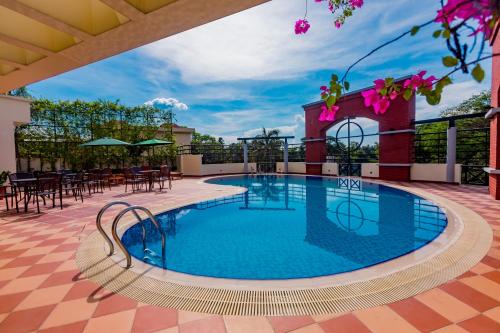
(41, 289)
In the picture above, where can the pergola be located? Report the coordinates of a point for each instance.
(245, 150)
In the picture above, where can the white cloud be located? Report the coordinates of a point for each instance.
(452, 96)
(259, 43)
(167, 103)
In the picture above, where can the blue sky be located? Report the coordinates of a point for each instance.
(250, 70)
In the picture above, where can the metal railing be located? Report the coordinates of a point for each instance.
(114, 227)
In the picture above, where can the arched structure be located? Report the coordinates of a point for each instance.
(396, 130)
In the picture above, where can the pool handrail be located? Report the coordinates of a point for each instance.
(153, 220)
(101, 230)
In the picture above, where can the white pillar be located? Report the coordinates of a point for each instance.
(14, 111)
(451, 152)
(285, 156)
(245, 157)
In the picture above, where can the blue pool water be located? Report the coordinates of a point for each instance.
(289, 227)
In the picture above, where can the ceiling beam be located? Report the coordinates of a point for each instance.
(45, 19)
(24, 45)
(125, 8)
(12, 63)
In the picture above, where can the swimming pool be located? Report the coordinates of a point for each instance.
(287, 227)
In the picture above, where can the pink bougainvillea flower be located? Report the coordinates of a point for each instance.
(379, 84)
(301, 26)
(381, 106)
(418, 81)
(479, 10)
(338, 25)
(328, 114)
(356, 3)
(370, 97)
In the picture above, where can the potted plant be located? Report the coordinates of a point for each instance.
(3, 179)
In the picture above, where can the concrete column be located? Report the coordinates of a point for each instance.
(245, 157)
(451, 152)
(14, 111)
(285, 157)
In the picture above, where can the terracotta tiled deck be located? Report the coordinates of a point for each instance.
(41, 288)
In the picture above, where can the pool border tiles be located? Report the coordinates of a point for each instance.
(463, 243)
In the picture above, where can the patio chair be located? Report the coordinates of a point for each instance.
(163, 176)
(48, 187)
(106, 176)
(77, 186)
(135, 180)
(10, 192)
(18, 190)
(93, 182)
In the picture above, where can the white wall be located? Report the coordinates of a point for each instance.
(191, 165)
(226, 168)
(369, 170)
(182, 139)
(331, 169)
(14, 111)
(433, 172)
(293, 167)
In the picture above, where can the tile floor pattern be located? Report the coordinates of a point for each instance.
(41, 289)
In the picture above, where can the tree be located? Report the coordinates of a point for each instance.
(20, 92)
(477, 103)
(267, 148)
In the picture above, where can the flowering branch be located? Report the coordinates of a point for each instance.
(454, 17)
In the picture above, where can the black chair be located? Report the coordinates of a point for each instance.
(10, 192)
(49, 186)
(163, 176)
(21, 190)
(76, 186)
(135, 180)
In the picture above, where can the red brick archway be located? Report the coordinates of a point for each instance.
(396, 130)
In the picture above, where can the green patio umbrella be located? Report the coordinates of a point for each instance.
(105, 142)
(152, 143)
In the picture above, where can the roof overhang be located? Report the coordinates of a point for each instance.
(42, 38)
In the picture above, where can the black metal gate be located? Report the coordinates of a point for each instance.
(348, 166)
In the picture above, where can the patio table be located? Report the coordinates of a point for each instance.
(27, 184)
(149, 174)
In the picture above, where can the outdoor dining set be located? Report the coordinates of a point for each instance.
(41, 187)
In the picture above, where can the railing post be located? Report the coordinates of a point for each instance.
(245, 157)
(451, 151)
(285, 156)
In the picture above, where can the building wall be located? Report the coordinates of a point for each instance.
(369, 170)
(14, 111)
(183, 139)
(434, 172)
(331, 169)
(495, 121)
(293, 167)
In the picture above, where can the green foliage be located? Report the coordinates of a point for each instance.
(205, 139)
(20, 92)
(471, 145)
(58, 128)
(414, 30)
(478, 73)
(450, 61)
(3, 177)
(477, 103)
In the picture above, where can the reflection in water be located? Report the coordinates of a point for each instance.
(287, 226)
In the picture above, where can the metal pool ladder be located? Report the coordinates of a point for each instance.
(114, 233)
